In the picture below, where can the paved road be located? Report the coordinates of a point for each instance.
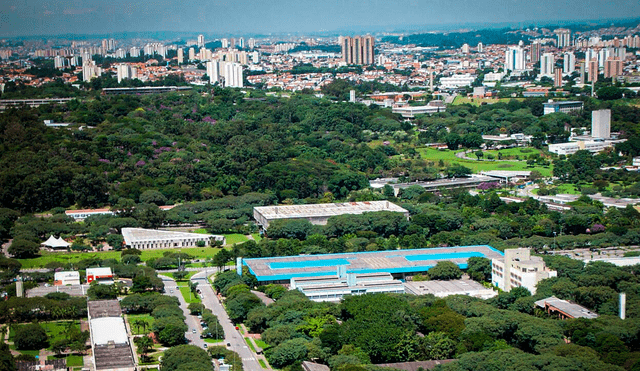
(232, 336)
(170, 288)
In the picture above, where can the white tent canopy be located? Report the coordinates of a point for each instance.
(56, 242)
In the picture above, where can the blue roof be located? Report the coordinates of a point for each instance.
(389, 261)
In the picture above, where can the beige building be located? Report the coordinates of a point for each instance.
(358, 49)
(519, 269)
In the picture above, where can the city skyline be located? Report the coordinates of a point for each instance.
(54, 17)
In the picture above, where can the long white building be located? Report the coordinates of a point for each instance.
(320, 213)
(140, 238)
(515, 59)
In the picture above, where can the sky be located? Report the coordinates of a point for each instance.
(238, 17)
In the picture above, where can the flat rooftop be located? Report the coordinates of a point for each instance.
(569, 309)
(131, 235)
(389, 261)
(104, 308)
(326, 210)
(106, 330)
(445, 288)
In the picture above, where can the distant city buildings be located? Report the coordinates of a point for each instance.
(90, 70)
(358, 49)
(612, 67)
(200, 41)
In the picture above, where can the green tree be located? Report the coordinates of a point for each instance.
(23, 249)
(176, 358)
(445, 270)
(479, 269)
(30, 337)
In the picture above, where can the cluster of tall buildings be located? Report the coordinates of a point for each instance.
(225, 73)
(358, 49)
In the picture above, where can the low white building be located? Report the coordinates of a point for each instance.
(456, 81)
(85, 213)
(519, 269)
(140, 238)
(102, 275)
(66, 278)
(569, 148)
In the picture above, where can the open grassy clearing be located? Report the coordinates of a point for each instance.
(449, 158)
(74, 257)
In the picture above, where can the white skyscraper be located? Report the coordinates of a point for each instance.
(58, 62)
(200, 41)
(480, 47)
(547, 62)
(604, 54)
(125, 71)
(233, 75)
(134, 52)
(515, 58)
(192, 54)
(180, 56)
(213, 71)
(225, 43)
(601, 123)
(569, 64)
(241, 42)
(252, 43)
(90, 70)
(590, 55)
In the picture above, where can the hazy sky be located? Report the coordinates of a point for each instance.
(49, 17)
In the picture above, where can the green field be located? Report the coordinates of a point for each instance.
(449, 158)
(74, 257)
(131, 318)
(188, 296)
(256, 237)
(235, 238)
(262, 363)
(55, 330)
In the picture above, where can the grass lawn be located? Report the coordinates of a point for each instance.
(152, 358)
(449, 157)
(188, 296)
(57, 330)
(131, 318)
(256, 237)
(262, 363)
(30, 352)
(250, 344)
(235, 238)
(74, 257)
